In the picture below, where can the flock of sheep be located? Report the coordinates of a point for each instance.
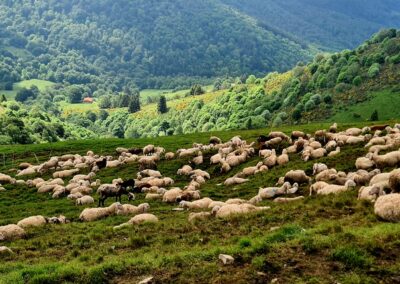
(376, 185)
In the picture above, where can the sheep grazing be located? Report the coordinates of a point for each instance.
(314, 188)
(128, 209)
(11, 232)
(84, 200)
(313, 153)
(370, 193)
(139, 219)
(364, 163)
(33, 221)
(171, 195)
(362, 177)
(390, 159)
(394, 180)
(317, 168)
(326, 175)
(271, 160)
(234, 181)
(298, 134)
(169, 156)
(283, 159)
(387, 207)
(215, 140)
(298, 176)
(230, 210)
(185, 170)
(93, 214)
(148, 162)
(287, 199)
(335, 189)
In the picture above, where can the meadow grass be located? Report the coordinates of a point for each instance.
(322, 239)
(41, 84)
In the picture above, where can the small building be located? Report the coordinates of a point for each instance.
(88, 100)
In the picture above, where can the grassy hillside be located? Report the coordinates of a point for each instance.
(317, 240)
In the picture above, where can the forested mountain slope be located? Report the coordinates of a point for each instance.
(331, 25)
(111, 44)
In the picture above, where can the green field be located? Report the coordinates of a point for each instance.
(326, 239)
(41, 84)
(386, 102)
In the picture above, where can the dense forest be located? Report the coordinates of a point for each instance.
(154, 44)
(306, 93)
(330, 25)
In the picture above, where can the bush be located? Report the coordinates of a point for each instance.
(374, 116)
(374, 70)
(328, 99)
(357, 81)
(310, 105)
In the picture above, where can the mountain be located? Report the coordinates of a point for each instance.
(155, 44)
(330, 25)
(352, 85)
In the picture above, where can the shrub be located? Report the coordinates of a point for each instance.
(374, 70)
(357, 81)
(328, 98)
(374, 116)
(310, 105)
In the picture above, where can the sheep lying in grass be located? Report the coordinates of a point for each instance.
(234, 181)
(84, 200)
(334, 153)
(390, 159)
(287, 199)
(4, 251)
(335, 189)
(270, 192)
(199, 216)
(387, 207)
(298, 176)
(319, 167)
(93, 214)
(229, 210)
(185, 170)
(128, 209)
(171, 195)
(33, 221)
(4, 179)
(11, 232)
(364, 163)
(394, 180)
(315, 187)
(138, 219)
(203, 203)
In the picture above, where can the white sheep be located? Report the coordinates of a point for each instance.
(171, 195)
(319, 167)
(84, 200)
(185, 170)
(283, 158)
(364, 163)
(139, 219)
(11, 232)
(394, 180)
(387, 207)
(287, 199)
(199, 216)
(75, 196)
(335, 189)
(197, 204)
(370, 193)
(128, 209)
(93, 214)
(229, 210)
(5, 251)
(33, 221)
(334, 153)
(234, 181)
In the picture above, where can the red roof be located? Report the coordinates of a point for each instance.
(88, 100)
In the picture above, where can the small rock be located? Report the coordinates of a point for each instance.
(274, 228)
(147, 280)
(5, 251)
(275, 280)
(226, 259)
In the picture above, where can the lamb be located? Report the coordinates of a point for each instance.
(387, 207)
(93, 214)
(271, 160)
(185, 170)
(33, 221)
(334, 153)
(298, 176)
(128, 209)
(198, 204)
(314, 188)
(11, 232)
(364, 163)
(229, 210)
(285, 200)
(199, 216)
(390, 159)
(319, 167)
(284, 158)
(394, 181)
(171, 195)
(139, 219)
(84, 200)
(65, 173)
(169, 156)
(335, 189)
(234, 181)
(370, 193)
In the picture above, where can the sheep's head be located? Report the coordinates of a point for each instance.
(131, 196)
(215, 210)
(144, 207)
(350, 183)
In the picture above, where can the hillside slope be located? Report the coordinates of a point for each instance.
(111, 44)
(331, 25)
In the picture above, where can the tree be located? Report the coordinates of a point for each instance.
(162, 105)
(105, 102)
(164, 126)
(75, 94)
(23, 94)
(374, 116)
(196, 90)
(134, 104)
(3, 98)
